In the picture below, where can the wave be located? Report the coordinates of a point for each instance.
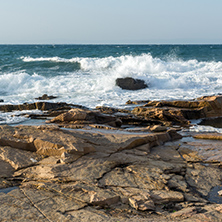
(144, 63)
(94, 82)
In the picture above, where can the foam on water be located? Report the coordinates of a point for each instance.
(93, 83)
(206, 129)
(16, 117)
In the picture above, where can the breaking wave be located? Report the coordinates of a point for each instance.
(93, 83)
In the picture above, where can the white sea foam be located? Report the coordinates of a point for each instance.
(42, 59)
(206, 129)
(94, 83)
(16, 117)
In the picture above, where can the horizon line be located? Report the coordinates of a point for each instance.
(110, 43)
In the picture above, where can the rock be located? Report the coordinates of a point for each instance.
(158, 128)
(185, 213)
(203, 178)
(220, 192)
(68, 158)
(16, 206)
(6, 170)
(177, 182)
(1, 100)
(215, 122)
(142, 204)
(130, 83)
(165, 115)
(162, 196)
(88, 117)
(209, 136)
(180, 112)
(10, 137)
(203, 213)
(103, 198)
(38, 105)
(46, 97)
(99, 173)
(45, 142)
(18, 158)
(137, 102)
(196, 150)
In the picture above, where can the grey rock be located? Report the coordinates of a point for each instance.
(131, 83)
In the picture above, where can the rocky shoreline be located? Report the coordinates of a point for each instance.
(108, 164)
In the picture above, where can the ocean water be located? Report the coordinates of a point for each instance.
(86, 74)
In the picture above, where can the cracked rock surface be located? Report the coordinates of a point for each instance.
(103, 173)
(105, 176)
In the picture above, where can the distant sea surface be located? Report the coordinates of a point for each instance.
(86, 74)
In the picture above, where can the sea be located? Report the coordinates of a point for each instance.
(86, 74)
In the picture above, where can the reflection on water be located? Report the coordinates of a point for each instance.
(213, 195)
(7, 190)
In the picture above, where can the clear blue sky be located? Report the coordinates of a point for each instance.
(110, 21)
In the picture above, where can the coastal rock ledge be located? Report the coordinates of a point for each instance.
(85, 166)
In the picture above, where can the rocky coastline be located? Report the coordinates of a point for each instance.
(134, 164)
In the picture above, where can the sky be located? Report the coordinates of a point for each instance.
(110, 22)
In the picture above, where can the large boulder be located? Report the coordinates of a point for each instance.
(130, 83)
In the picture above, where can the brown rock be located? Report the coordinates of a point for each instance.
(158, 128)
(46, 97)
(6, 170)
(45, 141)
(171, 115)
(86, 116)
(129, 102)
(141, 203)
(203, 178)
(9, 136)
(209, 136)
(38, 105)
(162, 196)
(103, 198)
(179, 112)
(185, 213)
(195, 150)
(18, 158)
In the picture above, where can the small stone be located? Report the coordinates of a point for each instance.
(158, 128)
(46, 97)
(140, 203)
(186, 212)
(220, 192)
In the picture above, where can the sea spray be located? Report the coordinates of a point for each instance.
(86, 74)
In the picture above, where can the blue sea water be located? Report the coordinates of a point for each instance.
(86, 74)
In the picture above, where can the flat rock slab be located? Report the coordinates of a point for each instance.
(199, 149)
(51, 141)
(209, 136)
(6, 170)
(18, 158)
(36, 205)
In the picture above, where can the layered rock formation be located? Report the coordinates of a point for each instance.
(180, 112)
(101, 170)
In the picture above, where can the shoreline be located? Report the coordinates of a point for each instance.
(111, 164)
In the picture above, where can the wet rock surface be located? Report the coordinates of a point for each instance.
(129, 83)
(46, 97)
(95, 171)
